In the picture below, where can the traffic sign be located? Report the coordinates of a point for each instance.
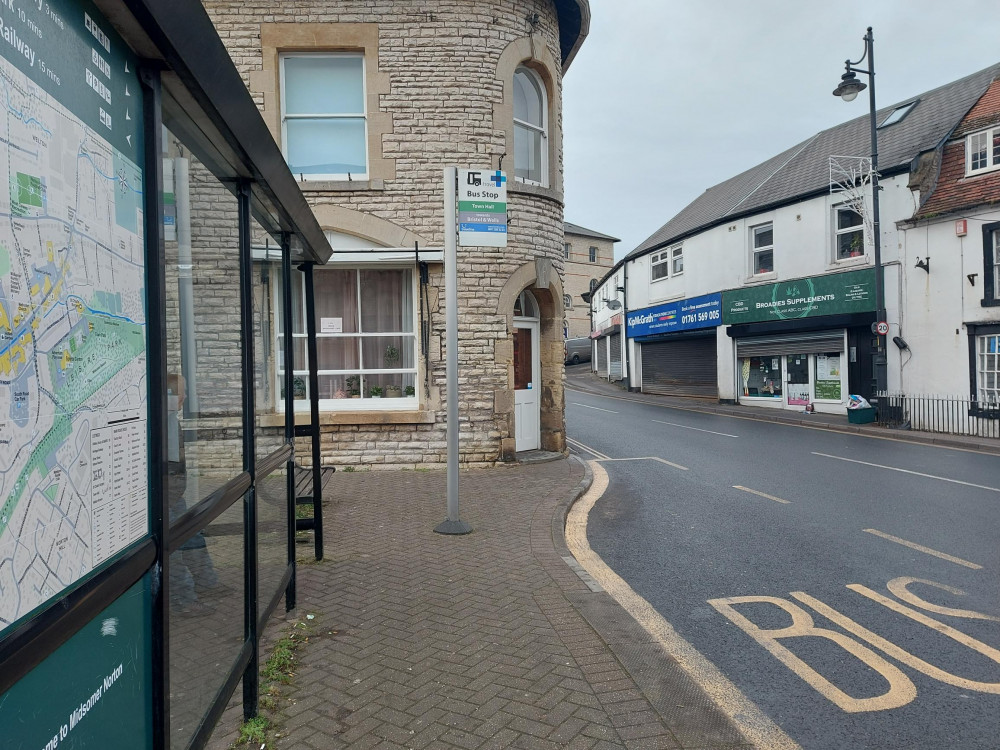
(882, 328)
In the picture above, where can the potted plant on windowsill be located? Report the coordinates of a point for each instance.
(375, 391)
(409, 391)
(353, 383)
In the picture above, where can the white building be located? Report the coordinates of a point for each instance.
(762, 290)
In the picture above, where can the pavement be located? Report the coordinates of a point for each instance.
(489, 640)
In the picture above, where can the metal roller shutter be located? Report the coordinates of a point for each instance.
(616, 356)
(686, 367)
(791, 343)
(602, 357)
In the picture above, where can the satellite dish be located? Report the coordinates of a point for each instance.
(614, 304)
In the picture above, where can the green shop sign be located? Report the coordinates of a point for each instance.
(835, 294)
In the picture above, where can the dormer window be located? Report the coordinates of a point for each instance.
(982, 151)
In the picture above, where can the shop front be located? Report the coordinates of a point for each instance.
(677, 346)
(803, 343)
(608, 350)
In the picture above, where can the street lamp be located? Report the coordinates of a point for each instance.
(848, 90)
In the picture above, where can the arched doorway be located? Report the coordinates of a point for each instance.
(527, 374)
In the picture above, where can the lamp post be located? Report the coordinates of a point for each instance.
(848, 90)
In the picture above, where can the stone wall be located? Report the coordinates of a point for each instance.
(438, 83)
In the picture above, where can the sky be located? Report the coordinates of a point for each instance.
(667, 98)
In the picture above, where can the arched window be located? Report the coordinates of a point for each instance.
(593, 285)
(567, 302)
(530, 128)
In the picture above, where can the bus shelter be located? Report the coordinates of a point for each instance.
(147, 519)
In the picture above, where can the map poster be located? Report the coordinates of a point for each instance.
(73, 401)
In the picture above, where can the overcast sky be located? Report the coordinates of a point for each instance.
(667, 98)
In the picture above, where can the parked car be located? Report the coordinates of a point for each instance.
(577, 350)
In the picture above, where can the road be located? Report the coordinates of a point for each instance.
(847, 585)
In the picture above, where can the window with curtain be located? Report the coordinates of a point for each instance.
(323, 120)
(530, 128)
(366, 339)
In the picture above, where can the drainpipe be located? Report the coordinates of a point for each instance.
(185, 293)
(624, 291)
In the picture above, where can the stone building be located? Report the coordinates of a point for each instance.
(369, 103)
(589, 255)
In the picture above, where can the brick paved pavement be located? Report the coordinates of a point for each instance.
(479, 641)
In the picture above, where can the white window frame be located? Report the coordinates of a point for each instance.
(988, 396)
(319, 115)
(664, 259)
(992, 138)
(898, 114)
(566, 249)
(837, 232)
(365, 403)
(594, 255)
(755, 251)
(543, 130)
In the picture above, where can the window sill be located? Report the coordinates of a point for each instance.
(537, 190)
(667, 298)
(861, 260)
(987, 302)
(339, 186)
(353, 418)
(984, 170)
(769, 276)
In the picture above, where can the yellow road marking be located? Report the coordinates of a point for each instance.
(927, 550)
(901, 688)
(762, 494)
(755, 725)
(898, 587)
(907, 471)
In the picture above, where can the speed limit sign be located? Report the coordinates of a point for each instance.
(882, 328)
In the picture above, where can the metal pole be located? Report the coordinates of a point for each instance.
(156, 301)
(185, 293)
(251, 683)
(453, 525)
(313, 357)
(881, 360)
(289, 363)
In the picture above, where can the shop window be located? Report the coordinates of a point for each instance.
(828, 376)
(366, 340)
(323, 119)
(762, 249)
(761, 377)
(982, 151)
(530, 128)
(988, 370)
(991, 265)
(849, 233)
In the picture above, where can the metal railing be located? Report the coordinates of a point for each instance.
(945, 414)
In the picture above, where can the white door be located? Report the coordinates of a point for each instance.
(526, 387)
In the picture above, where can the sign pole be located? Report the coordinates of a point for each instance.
(453, 524)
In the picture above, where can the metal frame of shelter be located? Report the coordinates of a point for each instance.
(192, 87)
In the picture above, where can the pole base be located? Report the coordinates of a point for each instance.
(453, 527)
